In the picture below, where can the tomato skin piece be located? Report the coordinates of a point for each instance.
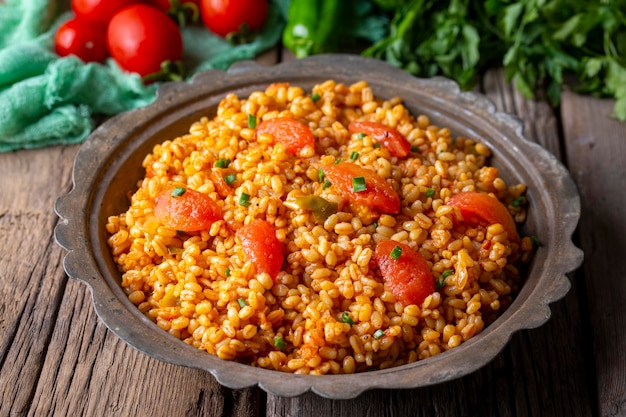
(379, 194)
(408, 277)
(482, 209)
(99, 11)
(141, 37)
(294, 135)
(261, 246)
(226, 16)
(386, 136)
(191, 212)
(79, 37)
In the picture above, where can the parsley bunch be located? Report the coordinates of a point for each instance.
(540, 43)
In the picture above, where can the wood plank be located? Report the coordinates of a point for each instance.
(31, 277)
(595, 147)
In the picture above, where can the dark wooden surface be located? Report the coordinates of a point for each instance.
(58, 359)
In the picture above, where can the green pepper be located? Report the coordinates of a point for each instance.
(315, 26)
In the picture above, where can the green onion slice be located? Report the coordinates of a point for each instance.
(251, 121)
(227, 272)
(430, 192)
(358, 184)
(279, 342)
(230, 178)
(244, 200)
(518, 201)
(345, 317)
(222, 163)
(326, 185)
(354, 155)
(379, 333)
(178, 191)
(315, 97)
(396, 252)
(242, 302)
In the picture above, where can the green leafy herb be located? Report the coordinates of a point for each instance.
(539, 43)
(441, 281)
(244, 200)
(379, 333)
(222, 163)
(326, 185)
(279, 342)
(315, 97)
(354, 155)
(414, 148)
(242, 302)
(178, 191)
(396, 252)
(345, 317)
(376, 145)
(358, 184)
(251, 121)
(227, 272)
(320, 175)
(430, 192)
(337, 161)
(375, 224)
(360, 135)
(230, 178)
(518, 201)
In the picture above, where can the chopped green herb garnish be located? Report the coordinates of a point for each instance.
(375, 224)
(244, 200)
(230, 178)
(396, 252)
(379, 333)
(326, 185)
(242, 302)
(376, 145)
(358, 184)
(536, 242)
(360, 135)
(430, 192)
(518, 201)
(345, 317)
(320, 175)
(337, 161)
(441, 281)
(173, 250)
(414, 148)
(354, 155)
(315, 97)
(279, 342)
(178, 191)
(222, 163)
(251, 121)
(227, 272)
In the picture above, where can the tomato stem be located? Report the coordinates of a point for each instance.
(170, 71)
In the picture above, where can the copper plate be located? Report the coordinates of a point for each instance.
(108, 166)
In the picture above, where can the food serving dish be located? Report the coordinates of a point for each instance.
(109, 164)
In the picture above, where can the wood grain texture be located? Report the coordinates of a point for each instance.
(595, 147)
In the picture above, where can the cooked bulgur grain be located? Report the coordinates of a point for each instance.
(328, 309)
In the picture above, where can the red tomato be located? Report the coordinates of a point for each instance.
(190, 212)
(405, 272)
(386, 136)
(99, 11)
(226, 16)
(141, 37)
(378, 194)
(290, 132)
(262, 247)
(80, 38)
(482, 209)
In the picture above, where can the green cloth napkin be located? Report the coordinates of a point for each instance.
(48, 100)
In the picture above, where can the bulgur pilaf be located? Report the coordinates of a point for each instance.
(325, 304)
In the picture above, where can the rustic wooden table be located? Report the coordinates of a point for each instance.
(58, 359)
